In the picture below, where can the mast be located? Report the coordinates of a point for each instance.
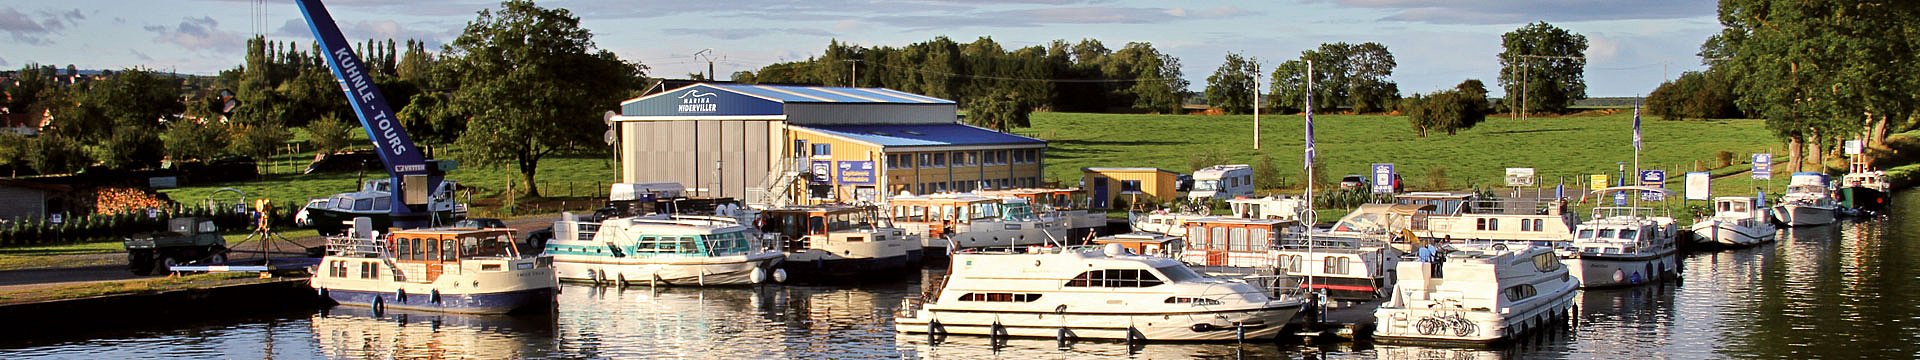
(1311, 216)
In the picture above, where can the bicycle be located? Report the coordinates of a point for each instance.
(1438, 323)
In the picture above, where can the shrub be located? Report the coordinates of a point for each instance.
(1437, 177)
(1724, 157)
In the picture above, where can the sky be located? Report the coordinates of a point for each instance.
(1633, 45)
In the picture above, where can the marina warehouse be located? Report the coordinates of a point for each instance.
(769, 144)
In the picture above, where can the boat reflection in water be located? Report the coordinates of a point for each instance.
(351, 332)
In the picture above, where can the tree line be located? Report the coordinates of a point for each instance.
(530, 77)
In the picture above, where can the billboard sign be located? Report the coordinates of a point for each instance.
(1520, 177)
(1597, 182)
(822, 171)
(1763, 166)
(1383, 178)
(1699, 186)
(1653, 178)
(856, 172)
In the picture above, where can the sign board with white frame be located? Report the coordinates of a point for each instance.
(1520, 177)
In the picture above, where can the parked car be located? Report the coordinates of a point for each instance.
(480, 223)
(1352, 181)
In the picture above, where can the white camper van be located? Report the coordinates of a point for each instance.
(1222, 182)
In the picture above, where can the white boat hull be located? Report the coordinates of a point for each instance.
(1405, 325)
(1601, 272)
(1727, 233)
(1801, 215)
(671, 271)
(1201, 324)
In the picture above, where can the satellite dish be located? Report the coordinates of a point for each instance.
(611, 137)
(608, 118)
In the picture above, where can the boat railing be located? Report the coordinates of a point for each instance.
(1603, 212)
(356, 247)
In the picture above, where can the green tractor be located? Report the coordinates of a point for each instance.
(188, 240)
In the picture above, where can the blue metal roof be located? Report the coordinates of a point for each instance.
(906, 135)
(827, 94)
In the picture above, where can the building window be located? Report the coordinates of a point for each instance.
(939, 159)
(1129, 186)
(799, 148)
(1334, 265)
(822, 150)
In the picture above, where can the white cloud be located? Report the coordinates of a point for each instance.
(199, 35)
(38, 28)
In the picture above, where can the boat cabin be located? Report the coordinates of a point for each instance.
(1146, 243)
(797, 226)
(1233, 242)
(943, 213)
(1272, 207)
(420, 255)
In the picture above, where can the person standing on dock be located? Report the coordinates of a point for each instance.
(1426, 252)
(1439, 255)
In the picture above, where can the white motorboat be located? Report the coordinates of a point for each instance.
(475, 271)
(1093, 293)
(1462, 218)
(1624, 245)
(826, 243)
(375, 201)
(951, 222)
(1347, 268)
(1808, 202)
(663, 250)
(1737, 221)
(1489, 293)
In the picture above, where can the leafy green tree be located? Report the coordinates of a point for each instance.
(56, 154)
(534, 84)
(192, 141)
(431, 119)
(1230, 88)
(1544, 66)
(132, 147)
(1157, 85)
(1343, 74)
(1785, 55)
(258, 141)
(132, 99)
(329, 134)
(30, 86)
(1000, 111)
(1695, 95)
(1449, 110)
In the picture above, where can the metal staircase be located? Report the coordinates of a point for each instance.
(777, 190)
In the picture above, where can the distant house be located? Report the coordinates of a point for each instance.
(26, 200)
(1106, 184)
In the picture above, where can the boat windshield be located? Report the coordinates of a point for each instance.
(1016, 212)
(1606, 233)
(1629, 234)
(1177, 273)
(1586, 233)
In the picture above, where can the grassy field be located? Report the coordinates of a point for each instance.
(563, 176)
(1569, 147)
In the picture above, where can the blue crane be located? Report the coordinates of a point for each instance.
(413, 176)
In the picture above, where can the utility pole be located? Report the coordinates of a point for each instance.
(1525, 73)
(1256, 103)
(707, 54)
(856, 71)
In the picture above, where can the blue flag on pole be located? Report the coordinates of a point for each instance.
(1636, 127)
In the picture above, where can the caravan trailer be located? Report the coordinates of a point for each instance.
(1222, 182)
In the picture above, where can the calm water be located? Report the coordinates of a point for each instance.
(1845, 291)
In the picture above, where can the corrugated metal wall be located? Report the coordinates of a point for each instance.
(687, 151)
(22, 203)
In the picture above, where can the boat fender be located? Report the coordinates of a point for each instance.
(935, 332)
(1635, 278)
(1619, 276)
(780, 275)
(1134, 337)
(320, 291)
(1239, 332)
(759, 275)
(622, 279)
(998, 331)
(435, 297)
(400, 295)
(379, 306)
(1064, 337)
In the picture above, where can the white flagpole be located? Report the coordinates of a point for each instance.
(1312, 216)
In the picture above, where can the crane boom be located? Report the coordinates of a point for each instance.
(403, 160)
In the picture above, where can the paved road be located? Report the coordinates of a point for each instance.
(106, 267)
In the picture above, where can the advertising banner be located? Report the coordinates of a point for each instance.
(856, 173)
